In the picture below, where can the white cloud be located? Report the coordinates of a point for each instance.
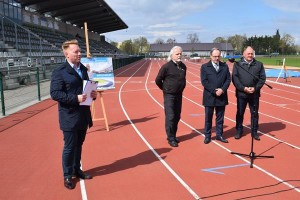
(163, 25)
(164, 33)
(285, 5)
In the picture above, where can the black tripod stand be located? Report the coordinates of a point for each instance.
(252, 155)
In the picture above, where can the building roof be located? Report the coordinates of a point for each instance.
(188, 47)
(99, 16)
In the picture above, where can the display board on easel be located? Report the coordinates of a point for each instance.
(100, 69)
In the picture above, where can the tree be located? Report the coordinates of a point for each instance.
(287, 44)
(159, 41)
(219, 40)
(140, 45)
(237, 42)
(171, 41)
(114, 43)
(127, 47)
(193, 38)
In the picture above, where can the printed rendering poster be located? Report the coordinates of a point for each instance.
(100, 69)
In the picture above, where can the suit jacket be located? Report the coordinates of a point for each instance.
(211, 80)
(241, 77)
(66, 84)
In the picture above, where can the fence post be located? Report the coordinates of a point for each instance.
(38, 82)
(2, 94)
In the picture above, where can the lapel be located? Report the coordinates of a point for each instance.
(221, 67)
(212, 68)
(70, 70)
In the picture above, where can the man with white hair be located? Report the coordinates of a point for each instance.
(171, 80)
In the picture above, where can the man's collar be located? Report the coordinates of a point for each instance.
(248, 62)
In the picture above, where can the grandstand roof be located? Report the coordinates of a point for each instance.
(99, 16)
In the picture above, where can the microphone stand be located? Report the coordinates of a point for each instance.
(252, 155)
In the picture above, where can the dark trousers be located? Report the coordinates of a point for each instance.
(253, 103)
(209, 111)
(71, 154)
(173, 105)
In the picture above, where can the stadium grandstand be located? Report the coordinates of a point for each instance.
(31, 35)
(32, 32)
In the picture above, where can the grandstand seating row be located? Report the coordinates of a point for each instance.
(35, 41)
(26, 47)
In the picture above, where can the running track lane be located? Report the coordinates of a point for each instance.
(125, 167)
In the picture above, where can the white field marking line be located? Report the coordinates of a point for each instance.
(297, 101)
(82, 187)
(257, 167)
(296, 93)
(130, 67)
(248, 108)
(284, 84)
(149, 146)
(282, 105)
(265, 134)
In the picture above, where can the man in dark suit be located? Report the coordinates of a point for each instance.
(215, 78)
(248, 77)
(66, 88)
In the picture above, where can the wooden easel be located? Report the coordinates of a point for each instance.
(93, 107)
(103, 110)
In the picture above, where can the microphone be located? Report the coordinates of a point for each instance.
(232, 60)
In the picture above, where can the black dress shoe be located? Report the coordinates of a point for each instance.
(256, 137)
(207, 140)
(176, 140)
(173, 143)
(82, 175)
(220, 138)
(69, 184)
(238, 135)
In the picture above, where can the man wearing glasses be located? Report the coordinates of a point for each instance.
(215, 78)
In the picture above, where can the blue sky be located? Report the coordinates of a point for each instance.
(208, 18)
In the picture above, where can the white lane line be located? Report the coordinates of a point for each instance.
(147, 143)
(82, 184)
(82, 187)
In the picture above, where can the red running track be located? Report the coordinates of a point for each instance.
(134, 161)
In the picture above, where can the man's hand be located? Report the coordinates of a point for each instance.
(249, 90)
(81, 98)
(219, 92)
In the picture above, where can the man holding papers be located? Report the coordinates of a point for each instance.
(74, 119)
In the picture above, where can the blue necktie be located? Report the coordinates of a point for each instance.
(78, 71)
